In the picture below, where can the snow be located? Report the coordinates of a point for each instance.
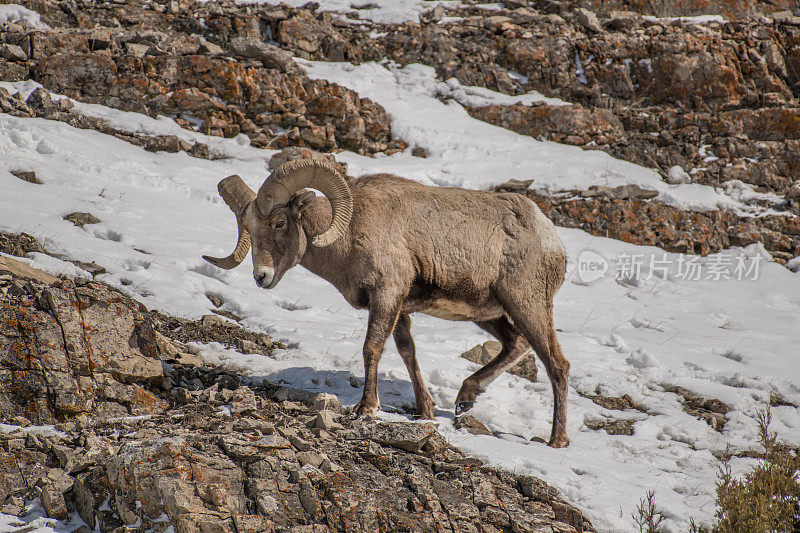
(707, 155)
(678, 175)
(465, 152)
(697, 19)
(47, 431)
(490, 7)
(16, 12)
(579, 71)
(35, 520)
(379, 11)
(480, 96)
(623, 333)
(747, 193)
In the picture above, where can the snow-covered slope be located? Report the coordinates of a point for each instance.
(727, 339)
(465, 152)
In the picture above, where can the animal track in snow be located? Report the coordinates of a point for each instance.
(738, 381)
(108, 234)
(210, 271)
(289, 306)
(649, 324)
(136, 265)
(731, 354)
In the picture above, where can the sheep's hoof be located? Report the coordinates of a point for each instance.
(361, 412)
(425, 415)
(463, 407)
(560, 442)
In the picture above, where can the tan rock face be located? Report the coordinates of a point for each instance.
(125, 348)
(70, 349)
(213, 454)
(19, 269)
(654, 223)
(573, 124)
(177, 479)
(730, 9)
(260, 95)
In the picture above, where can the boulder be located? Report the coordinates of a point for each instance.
(471, 425)
(270, 55)
(12, 52)
(27, 175)
(81, 219)
(53, 502)
(409, 437)
(89, 346)
(589, 20)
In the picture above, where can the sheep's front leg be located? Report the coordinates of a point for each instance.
(383, 313)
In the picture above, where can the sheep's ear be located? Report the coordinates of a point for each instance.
(300, 202)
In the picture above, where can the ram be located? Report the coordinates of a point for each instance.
(396, 247)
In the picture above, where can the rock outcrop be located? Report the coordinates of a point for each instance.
(650, 222)
(57, 363)
(158, 62)
(730, 9)
(111, 420)
(40, 103)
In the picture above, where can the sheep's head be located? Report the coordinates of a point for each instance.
(270, 220)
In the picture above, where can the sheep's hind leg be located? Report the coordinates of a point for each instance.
(405, 345)
(514, 347)
(535, 321)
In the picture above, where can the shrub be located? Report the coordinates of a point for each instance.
(647, 516)
(767, 498)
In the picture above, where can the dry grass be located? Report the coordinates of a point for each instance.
(647, 516)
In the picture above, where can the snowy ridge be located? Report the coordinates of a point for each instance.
(35, 521)
(142, 124)
(480, 96)
(465, 152)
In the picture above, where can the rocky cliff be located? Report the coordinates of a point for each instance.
(108, 417)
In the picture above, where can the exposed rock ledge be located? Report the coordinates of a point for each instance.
(144, 437)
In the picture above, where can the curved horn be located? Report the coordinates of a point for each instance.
(237, 195)
(292, 176)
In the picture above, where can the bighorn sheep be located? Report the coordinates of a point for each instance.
(397, 247)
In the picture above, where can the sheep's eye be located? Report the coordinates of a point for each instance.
(280, 224)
